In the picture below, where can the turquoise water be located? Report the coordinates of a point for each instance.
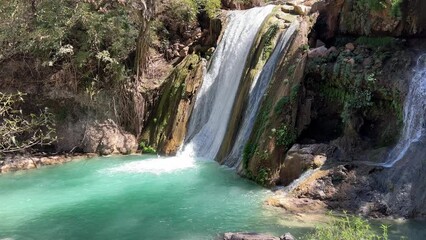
(133, 198)
(144, 198)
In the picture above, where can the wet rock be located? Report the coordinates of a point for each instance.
(319, 43)
(298, 205)
(301, 10)
(248, 236)
(302, 157)
(319, 160)
(318, 52)
(27, 162)
(339, 173)
(287, 236)
(287, 9)
(321, 52)
(328, 22)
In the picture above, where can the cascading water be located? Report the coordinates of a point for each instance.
(215, 99)
(257, 91)
(414, 115)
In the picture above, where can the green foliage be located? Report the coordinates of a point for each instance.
(187, 10)
(294, 92)
(348, 228)
(378, 5)
(212, 7)
(284, 136)
(374, 5)
(147, 149)
(269, 35)
(262, 176)
(20, 131)
(375, 42)
(396, 8)
(94, 38)
(284, 101)
(183, 10)
(248, 153)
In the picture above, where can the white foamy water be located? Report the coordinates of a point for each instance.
(414, 115)
(216, 96)
(257, 90)
(155, 165)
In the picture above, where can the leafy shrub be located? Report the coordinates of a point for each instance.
(147, 149)
(19, 131)
(211, 7)
(75, 32)
(375, 42)
(284, 101)
(284, 136)
(347, 228)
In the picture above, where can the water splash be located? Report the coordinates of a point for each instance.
(257, 90)
(414, 115)
(215, 99)
(155, 165)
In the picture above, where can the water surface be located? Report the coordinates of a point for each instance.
(133, 198)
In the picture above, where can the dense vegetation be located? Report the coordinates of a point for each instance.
(348, 228)
(98, 46)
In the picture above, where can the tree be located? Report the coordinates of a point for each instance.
(18, 131)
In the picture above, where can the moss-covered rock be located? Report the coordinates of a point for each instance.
(362, 91)
(275, 128)
(261, 50)
(167, 125)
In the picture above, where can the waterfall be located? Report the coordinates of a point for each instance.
(414, 115)
(257, 90)
(213, 105)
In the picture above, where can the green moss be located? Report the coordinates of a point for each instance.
(248, 153)
(375, 5)
(284, 136)
(262, 176)
(171, 95)
(347, 228)
(294, 92)
(375, 42)
(396, 8)
(146, 149)
(268, 37)
(281, 104)
(260, 126)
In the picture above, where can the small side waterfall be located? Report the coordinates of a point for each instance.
(257, 90)
(414, 115)
(214, 102)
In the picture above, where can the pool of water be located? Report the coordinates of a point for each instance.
(134, 198)
(145, 197)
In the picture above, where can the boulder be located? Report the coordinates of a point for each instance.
(108, 138)
(350, 46)
(302, 157)
(248, 236)
(287, 236)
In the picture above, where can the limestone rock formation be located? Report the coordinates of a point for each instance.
(108, 138)
(166, 128)
(302, 157)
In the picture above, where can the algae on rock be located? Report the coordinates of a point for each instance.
(167, 126)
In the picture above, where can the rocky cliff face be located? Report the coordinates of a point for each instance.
(275, 127)
(341, 100)
(167, 126)
(370, 18)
